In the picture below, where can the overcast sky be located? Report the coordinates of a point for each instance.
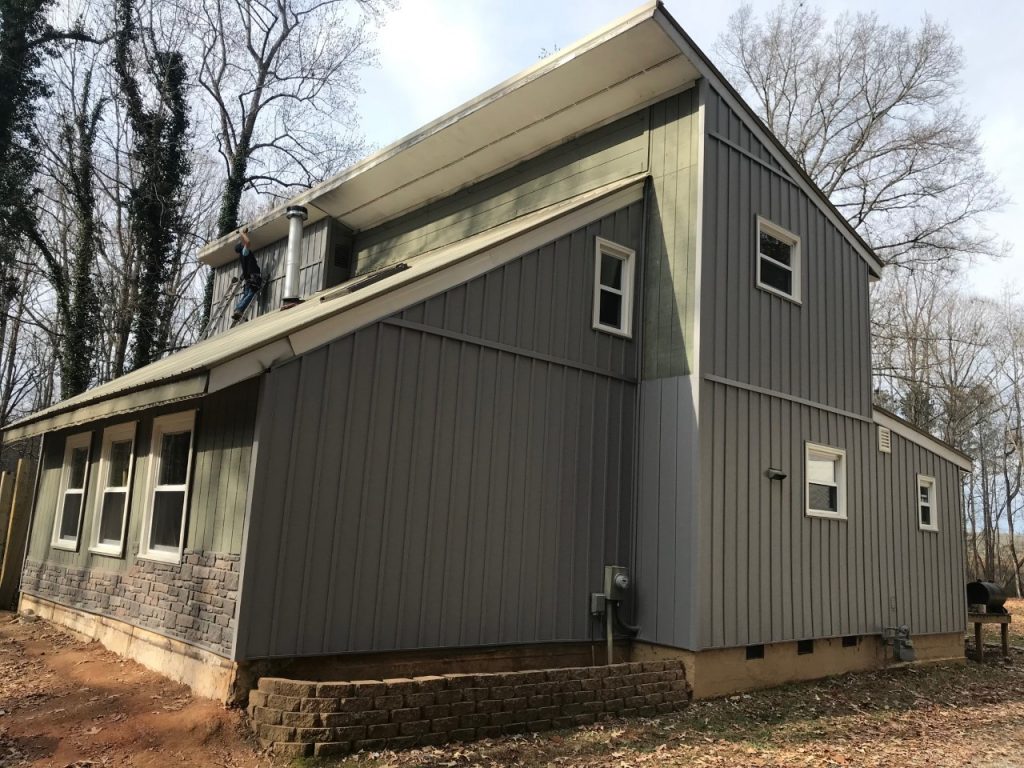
(436, 54)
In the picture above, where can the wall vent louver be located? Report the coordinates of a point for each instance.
(884, 440)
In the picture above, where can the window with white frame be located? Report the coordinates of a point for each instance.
(170, 466)
(826, 481)
(778, 260)
(613, 287)
(115, 479)
(926, 511)
(74, 474)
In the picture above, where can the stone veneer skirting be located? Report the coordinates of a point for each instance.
(304, 718)
(194, 601)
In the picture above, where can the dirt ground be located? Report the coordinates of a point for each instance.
(67, 704)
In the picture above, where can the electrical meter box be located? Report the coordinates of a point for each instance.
(616, 582)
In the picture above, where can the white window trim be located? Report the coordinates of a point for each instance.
(838, 455)
(790, 239)
(82, 439)
(118, 433)
(933, 502)
(171, 423)
(628, 256)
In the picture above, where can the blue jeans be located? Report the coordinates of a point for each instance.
(249, 291)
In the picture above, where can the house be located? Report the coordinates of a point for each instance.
(596, 316)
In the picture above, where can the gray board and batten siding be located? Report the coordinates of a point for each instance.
(770, 573)
(216, 509)
(318, 270)
(455, 475)
(774, 375)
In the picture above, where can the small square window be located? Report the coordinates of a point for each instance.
(926, 510)
(826, 481)
(163, 528)
(803, 647)
(74, 474)
(613, 288)
(115, 477)
(755, 652)
(850, 641)
(778, 260)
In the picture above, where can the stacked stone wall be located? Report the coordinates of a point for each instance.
(304, 718)
(194, 601)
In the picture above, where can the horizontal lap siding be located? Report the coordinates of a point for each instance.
(818, 350)
(602, 156)
(419, 489)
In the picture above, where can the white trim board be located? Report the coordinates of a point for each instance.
(923, 440)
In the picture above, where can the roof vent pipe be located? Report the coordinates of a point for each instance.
(295, 214)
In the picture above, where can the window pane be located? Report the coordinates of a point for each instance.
(821, 470)
(167, 510)
(823, 497)
(76, 471)
(69, 515)
(111, 516)
(610, 312)
(611, 271)
(774, 248)
(923, 490)
(174, 458)
(926, 515)
(779, 278)
(120, 461)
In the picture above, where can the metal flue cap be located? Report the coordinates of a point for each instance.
(296, 210)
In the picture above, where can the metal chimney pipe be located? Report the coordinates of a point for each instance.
(295, 214)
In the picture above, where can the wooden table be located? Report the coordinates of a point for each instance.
(1002, 619)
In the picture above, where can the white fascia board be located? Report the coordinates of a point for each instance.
(219, 251)
(923, 440)
(247, 366)
(769, 141)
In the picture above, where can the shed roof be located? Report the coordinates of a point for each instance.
(635, 61)
(251, 348)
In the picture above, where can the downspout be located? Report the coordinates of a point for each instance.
(296, 215)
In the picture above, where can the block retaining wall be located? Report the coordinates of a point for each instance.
(194, 600)
(303, 718)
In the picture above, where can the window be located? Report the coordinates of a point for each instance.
(778, 260)
(755, 652)
(926, 512)
(613, 288)
(115, 477)
(68, 518)
(163, 528)
(826, 481)
(803, 647)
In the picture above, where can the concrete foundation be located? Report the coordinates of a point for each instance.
(207, 674)
(724, 671)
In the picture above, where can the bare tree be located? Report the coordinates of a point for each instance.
(281, 80)
(873, 114)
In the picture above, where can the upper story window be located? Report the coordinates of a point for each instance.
(826, 481)
(170, 466)
(613, 287)
(926, 512)
(74, 474)
(778, 260)
(115, 478)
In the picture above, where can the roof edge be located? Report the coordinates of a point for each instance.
(616, 27)
(924, 439)
(716, 78)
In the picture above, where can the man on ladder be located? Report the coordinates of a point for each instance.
(252, 278)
